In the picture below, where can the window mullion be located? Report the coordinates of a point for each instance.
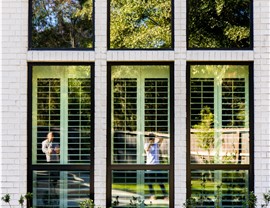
(218, 120)
(64, 120)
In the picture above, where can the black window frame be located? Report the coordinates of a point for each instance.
(249, 167)
(127, 167)
(59, 167)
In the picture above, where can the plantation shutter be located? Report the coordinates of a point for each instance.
(62, 104)
(140, 106)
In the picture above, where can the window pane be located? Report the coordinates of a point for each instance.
(219, 110)
(140, 24)
(62, 24)
(61, 103)
(79, 120)
(219, 24)
(131, 188)
(140, 107)
(60, 188)
(219, 188)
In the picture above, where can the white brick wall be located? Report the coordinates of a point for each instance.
(14, 92)
(262, 96)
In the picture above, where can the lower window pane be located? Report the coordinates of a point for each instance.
(140, 188)
(219, 188)
(60, 188)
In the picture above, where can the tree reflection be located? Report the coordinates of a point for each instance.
(62, 24)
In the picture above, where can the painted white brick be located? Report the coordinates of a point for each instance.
(14, 92)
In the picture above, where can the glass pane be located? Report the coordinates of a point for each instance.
(140, 108)
(140, 24)
(219, 188)
(140, 188)
(219, 110)
(61, 104)
(62, 24)
(79, 120)
(219, 24)
(60, 188)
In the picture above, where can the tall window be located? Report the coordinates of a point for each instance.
(219, 24)
(61, 24)
(140, 24)
(219, 141)
(60, 135)
(140, 140)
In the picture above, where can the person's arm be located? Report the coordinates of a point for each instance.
(45, 148)
(148, 146)
(160, 141)
(57, 149)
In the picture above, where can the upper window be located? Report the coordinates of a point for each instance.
(140, 24)
(61, 24)
(222, 24)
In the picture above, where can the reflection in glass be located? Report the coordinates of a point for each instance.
(140, 107)
(219, 188)
(219, 109)
(62, 24)
(62, 105)
(140, 24)
(219, 24)
(140, 188)
(57, 189)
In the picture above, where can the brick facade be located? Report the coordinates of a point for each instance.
(15, 57)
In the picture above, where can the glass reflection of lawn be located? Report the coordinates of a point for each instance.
(137, 194)
(215, 193)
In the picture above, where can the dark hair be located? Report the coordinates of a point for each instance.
(151, 136)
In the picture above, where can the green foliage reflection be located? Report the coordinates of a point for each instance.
(219, 23)
(140, 24)
(62, 24)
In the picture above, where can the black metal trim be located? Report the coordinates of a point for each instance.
(251, 123)
(188, 169)
(29, 133)
(61, 167)
(110, 165)
(251, 47)
(138, 49)
(249, 167)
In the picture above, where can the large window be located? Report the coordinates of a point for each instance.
(219, 139)
(219, 24)
(61, 24)
(140, 139)
(140, 24)
(60, 134)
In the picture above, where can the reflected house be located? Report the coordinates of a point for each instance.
(230, 146)
(125, 150)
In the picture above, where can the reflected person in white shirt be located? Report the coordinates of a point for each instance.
(50, 149)
(152, 158)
